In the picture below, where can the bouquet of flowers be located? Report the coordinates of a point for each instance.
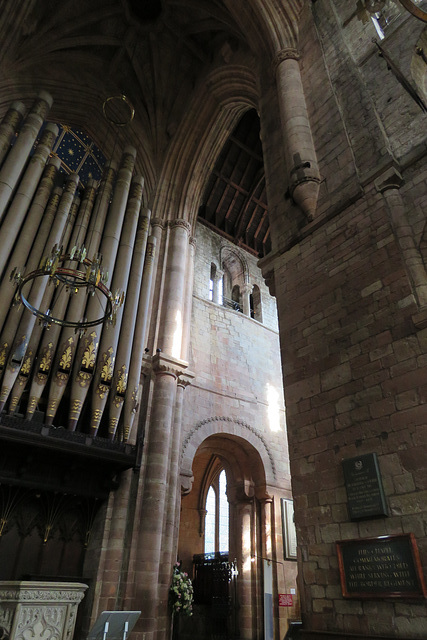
(181, 592)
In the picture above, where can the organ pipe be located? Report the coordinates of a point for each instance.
(25, 191)
(68, 340)
(8, 127)
(28, 320)
(16, 311)
(86, 357)
(18, 154)
(51, 337)
(34, 216)
(139, 337)
(27, 234)
(37, 331)
(110, 333)
(121, 371)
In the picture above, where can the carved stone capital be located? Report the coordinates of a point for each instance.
(157, 222)
(390, 179)
(184, 379)
(179, 222)
(247, 289)
(163, 363)
(193, 241)
(289, 53)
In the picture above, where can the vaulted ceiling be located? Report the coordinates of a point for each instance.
(154, 52)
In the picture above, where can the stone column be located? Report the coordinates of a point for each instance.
(188, 306)
(389, 184)
(172, 320)
(246, 291)
(303, 172)
(246, 564)
(217, 292)
(17, 156)
(156, 493)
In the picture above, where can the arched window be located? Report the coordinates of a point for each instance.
(255, 302)
(212, 281)
(217, 516)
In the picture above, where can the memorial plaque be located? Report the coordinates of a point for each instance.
(385, 567)
(365, 493)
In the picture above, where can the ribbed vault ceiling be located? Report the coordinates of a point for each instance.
(155, 52)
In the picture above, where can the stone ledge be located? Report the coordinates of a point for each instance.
(342, 635)
(420, 319)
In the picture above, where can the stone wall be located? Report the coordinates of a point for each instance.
(354, 351)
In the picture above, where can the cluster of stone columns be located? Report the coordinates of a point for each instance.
(39, 211)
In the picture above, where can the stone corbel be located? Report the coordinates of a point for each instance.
(187, 480)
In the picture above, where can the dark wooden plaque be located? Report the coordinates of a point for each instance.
(383, 567)
(365, 493)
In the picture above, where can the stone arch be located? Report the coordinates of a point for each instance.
(419, 65)
(218, 105)
(249, 437)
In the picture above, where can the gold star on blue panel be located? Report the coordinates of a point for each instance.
(78, 153)
(71, 151)
(90, 169)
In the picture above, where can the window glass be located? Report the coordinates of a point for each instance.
(210, 522)
(223, 513)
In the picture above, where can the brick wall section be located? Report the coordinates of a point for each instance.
(236, 359)
(208, 251)
(355, 382)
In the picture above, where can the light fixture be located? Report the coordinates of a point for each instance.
(87, 274)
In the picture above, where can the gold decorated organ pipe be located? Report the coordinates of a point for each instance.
(29, 231)
(110, 333)
(139, 337)
(16, 310)
(18, 154)
(49, 293)
(9, 125)
(50, 339)
(86, 357)
(120, 377)
(35, 295)
(22, 198)
(65, 352)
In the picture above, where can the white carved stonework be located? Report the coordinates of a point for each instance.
(39, 610)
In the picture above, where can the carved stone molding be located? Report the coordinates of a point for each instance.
(39, 610)
(259, 438)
